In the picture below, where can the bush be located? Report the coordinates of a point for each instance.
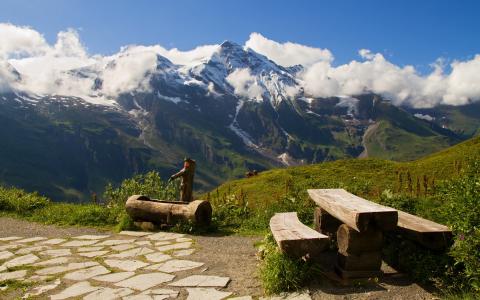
(456, 204)
(462, 212)
(19, 201)
(149, 184)
(279, 273)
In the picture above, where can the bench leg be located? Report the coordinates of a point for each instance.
(325, 223)
(359, 254)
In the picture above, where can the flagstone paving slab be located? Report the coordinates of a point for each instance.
(56, 252)
(145, 281)
(91, 237)
(125, 265)
(85, 274)
(135, 233)
(123, 247)
(107, 293)
(157, 257)
(114, 277)
(202, 281)
(66, 268)
(183, 239)
(132, 253)
(9, 247)
(42, 289)
(206, 293)
(161, 236)
(52, 242)
(31, 240)
(184, 245)
(10, 238)
(19, 261)
(54, 261)
(75, 290)
(5, 255)
(177, 265)
(79, 243)
(13, 275)
(31, 249)
(162, 292)
(93, 253)
(140, 297)
(89, 249)
(115, 242)
(143, 243)
(162, 243)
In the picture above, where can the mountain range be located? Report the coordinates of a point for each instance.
(232, 111)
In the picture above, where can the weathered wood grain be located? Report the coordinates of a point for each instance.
(324, 222)
(356, 212)
(365, 261)
(294, 238)
(427, 233)
(350, 241)
(142, 208)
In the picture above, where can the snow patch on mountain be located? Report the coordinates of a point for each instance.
(234, 126)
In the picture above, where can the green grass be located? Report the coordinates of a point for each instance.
(280, 273)
(365, 177)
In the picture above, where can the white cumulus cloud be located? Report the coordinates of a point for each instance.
(66, 68)
(287, 54)
(245, 84)
(403, 85)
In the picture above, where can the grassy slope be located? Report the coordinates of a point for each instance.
(390, 142)
(366, 177)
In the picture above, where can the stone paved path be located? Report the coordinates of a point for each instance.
(127, 265)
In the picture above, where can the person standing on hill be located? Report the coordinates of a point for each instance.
(186, 186)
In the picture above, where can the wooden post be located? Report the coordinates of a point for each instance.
(359, 253)
(187, 174)
(351, 241)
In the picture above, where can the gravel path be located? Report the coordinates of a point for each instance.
(11, 227)
(209, 257)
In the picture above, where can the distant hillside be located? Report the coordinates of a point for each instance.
(366, 177)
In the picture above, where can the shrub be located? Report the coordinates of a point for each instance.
(149, 184)
(280, 273)
(462, 212)
(19, 201)
(457, 204)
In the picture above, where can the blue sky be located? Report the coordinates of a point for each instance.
(406, 32)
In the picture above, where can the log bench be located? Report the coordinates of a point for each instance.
(296, 239)
(427, 233)
(142, 208)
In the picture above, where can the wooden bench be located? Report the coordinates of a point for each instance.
(429, 234)
(358, 213)
(294, 238)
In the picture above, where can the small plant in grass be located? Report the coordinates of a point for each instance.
(279, 273)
